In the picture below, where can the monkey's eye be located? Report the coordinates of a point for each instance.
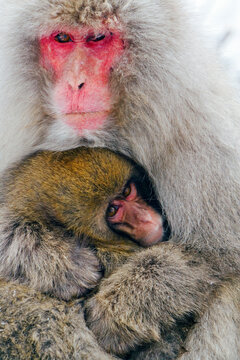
(63, 38)
(130, 192)
(127, 191)
(97, 38)
(112, 211)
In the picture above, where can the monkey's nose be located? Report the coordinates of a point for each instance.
(80, 86)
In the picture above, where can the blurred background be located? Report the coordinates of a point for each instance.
(220, 20)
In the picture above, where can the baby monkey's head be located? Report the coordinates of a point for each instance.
(93, 192)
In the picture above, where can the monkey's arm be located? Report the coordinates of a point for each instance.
(50, 261)
(160, 291)
(216, 335)
(36, 326)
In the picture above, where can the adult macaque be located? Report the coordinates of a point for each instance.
(60, 203)
(133, 76)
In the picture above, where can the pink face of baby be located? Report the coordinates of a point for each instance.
(131, 215)
(81, 62)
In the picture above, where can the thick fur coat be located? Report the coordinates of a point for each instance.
(175, 114)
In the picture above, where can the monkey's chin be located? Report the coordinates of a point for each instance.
(152, 238)
(86, 121)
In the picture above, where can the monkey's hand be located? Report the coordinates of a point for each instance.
(49, 261)
(158, 289)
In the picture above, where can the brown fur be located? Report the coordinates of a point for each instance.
(55, 214)
(175, 114)
(34, 326)
(130, 308)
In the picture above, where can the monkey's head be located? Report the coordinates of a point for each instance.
(111, 195)
(92, 192)
(77, 60)
(97, 68)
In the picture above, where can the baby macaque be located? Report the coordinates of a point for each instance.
(59, 205)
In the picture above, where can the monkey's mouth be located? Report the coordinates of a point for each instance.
(92, 120)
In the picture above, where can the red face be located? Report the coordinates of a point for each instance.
(81, 63)
(132, 215)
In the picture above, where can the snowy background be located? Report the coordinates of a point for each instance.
(220, 19)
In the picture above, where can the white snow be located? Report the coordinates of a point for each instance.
(221, 19)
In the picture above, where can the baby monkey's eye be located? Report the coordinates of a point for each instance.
(127, 191)
(112, 211)
(130, 192)
(63, 38)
